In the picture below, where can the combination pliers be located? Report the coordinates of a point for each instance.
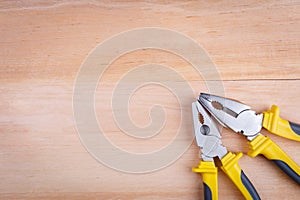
(208, 138)
(241, 119)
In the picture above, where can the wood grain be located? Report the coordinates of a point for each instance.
(254, 45)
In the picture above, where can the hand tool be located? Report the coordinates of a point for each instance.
(208, 138)
(241, 119)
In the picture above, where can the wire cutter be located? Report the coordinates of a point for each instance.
(208, 138)
(241, 119)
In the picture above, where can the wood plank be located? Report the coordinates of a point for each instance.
(42, 156)
(254, 40)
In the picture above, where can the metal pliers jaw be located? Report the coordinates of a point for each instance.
(241, 119)
(207, 135)
(233, 114)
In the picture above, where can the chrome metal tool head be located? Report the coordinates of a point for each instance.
(233, 114)
(207, 134)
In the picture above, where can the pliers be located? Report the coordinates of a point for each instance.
(208, 138)
(241, 119)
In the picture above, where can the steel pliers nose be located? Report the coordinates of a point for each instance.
(208, 138)
(241, 119)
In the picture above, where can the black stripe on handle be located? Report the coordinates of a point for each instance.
(249, 186)
(207, 192)
(295, 127)
(289, 171)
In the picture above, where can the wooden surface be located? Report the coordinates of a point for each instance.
(254, 44)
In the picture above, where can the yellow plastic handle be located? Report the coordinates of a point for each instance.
(265, 146)
(235, 173)
(276, 125)
(209, 174)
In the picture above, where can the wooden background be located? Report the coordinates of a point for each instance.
(254, 44)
